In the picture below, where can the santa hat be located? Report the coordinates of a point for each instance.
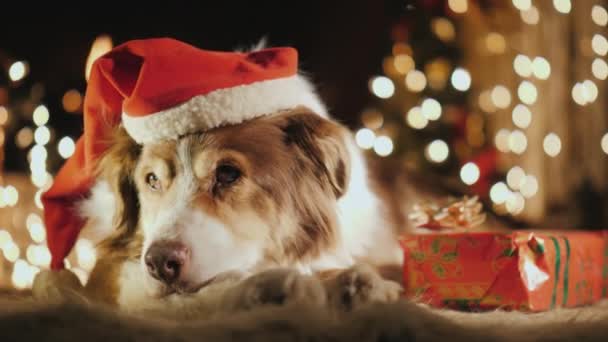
(161, 89)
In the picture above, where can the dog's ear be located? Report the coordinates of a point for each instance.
(323, 143)
(117, 167)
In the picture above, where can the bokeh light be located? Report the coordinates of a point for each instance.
(416, 119)
(415, 80)
(599, 44)
(599, 68)
(501, 97)
(382, 87)
(66, 147)
(562, 6)
(599, 15)
(458, 6)
(515, 176)
(17, 71)
(518, 142)
(521, 115)
(41, 115)
(527, 92)
(461, 79)
(437, 151)
(530, 16)
(522, 65)
(469, 173)
(364, 138)
(501, 140)
(431, 109)
(499, 193)
(541, 68)
(552, 144)
(383, 146)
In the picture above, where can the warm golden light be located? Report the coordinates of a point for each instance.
(17, 71)
(415, 81)
(415, 119)
(527, 92)
(443, 29)
(599, 15)
(522, 117)
(383, 146)
(403, 63)
(382, 87)
(496, 43)
(71, 100)
(3, 115)
(365, 138)
(437, 73)
(458, 6)
(599, 68)
(552, 144)
(518, 142)
(24, 137)
(101, 45)
(401, 49)
(469, 173)
(461, 79)
(431, 109)
(437, 151)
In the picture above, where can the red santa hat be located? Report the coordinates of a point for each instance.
(161, 89)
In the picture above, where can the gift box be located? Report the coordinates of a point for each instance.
(523, 270)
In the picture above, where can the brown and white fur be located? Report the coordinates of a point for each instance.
(302, 205)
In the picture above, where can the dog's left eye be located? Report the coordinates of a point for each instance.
(227, 174)
(153, 181)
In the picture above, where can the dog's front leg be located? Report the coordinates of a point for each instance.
(357, 286)
(281, 286)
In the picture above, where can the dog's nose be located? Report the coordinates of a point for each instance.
(166, 260)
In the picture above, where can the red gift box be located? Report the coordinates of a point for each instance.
(524, 270)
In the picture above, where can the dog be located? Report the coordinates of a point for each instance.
(288, 191)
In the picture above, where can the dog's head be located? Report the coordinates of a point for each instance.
(263, 192)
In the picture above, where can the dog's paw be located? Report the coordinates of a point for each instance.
(57, 286)
(276, 287)
(358, 286)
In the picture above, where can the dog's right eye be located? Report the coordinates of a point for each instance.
(152, 181)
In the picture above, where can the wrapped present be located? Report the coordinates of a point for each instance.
(522, 270)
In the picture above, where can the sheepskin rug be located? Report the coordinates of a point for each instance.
(22, 318)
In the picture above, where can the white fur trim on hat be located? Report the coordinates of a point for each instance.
(224, 107)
